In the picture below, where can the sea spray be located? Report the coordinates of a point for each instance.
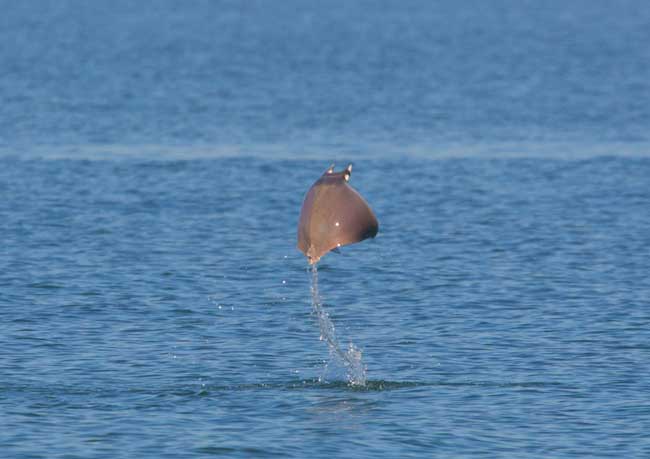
(351, 359)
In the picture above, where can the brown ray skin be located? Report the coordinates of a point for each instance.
(330, 200)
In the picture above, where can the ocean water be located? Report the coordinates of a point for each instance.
(153, 161)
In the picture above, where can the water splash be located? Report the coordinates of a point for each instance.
(351, 359)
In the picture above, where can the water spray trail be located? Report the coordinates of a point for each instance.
(352, 359)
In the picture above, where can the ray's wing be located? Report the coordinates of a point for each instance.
(352, 219)
(304, 222)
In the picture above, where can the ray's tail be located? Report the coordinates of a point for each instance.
(351, 360)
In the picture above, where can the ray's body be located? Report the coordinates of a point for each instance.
(333, 214)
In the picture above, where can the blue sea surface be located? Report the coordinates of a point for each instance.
(153, 161)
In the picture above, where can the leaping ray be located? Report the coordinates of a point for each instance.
(333, 214)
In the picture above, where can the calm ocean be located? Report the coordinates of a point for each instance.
(153, 161)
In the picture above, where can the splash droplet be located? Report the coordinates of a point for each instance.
(351, 359)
